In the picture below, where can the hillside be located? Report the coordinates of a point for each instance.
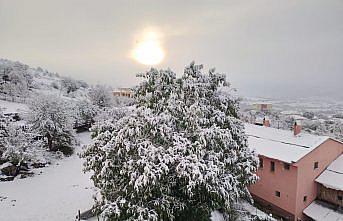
(18, 82)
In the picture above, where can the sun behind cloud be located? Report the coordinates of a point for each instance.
(148, 50)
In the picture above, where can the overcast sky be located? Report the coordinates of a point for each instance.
(267, 48)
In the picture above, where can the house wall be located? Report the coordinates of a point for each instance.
(330, 195)
(324, 155)
(262, 107)
(282, 180)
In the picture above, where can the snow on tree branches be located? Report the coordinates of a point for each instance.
(49, 117)
(178, 156)
(100, 95)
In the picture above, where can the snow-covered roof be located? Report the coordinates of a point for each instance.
(281, 144)
(126, 89)
(319, 211)
(259, 120)
(332, 177)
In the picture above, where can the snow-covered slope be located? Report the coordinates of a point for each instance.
(19, 82)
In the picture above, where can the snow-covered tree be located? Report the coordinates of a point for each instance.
(15, 78)
(100, 95)
(112, 114)
(332, 128)
(3, 132)
(50, 116)
(69, 84)
(181, 154)
(20, 146)
(84, 112)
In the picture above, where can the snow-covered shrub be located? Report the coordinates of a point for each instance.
(84, 113)
(50, 117)
(69, 84)
(21, 147)
(181, 154)
(101, 96)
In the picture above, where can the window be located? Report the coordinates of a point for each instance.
(305, 198)
(340, 198)
(277, 193)
(272, 166)
(315, 166)
(261, 163)
(286, 166)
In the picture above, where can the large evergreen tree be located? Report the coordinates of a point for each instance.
(181, 154)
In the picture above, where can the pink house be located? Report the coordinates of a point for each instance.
(290, 162)
(329, 203)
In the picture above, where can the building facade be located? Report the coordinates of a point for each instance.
(329, 202)
(290, 162)
(123, 92)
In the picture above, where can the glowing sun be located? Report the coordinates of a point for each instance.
(149, 51)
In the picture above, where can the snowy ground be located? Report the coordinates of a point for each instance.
(12, 107)
(57, 194)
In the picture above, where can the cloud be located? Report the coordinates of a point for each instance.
(267, 48)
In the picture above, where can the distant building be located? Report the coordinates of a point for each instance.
(262, 107)
(290, 163)
(123, 92)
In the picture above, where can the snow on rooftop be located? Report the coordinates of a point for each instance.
(281, 144)
(318, 211)
(332, 177)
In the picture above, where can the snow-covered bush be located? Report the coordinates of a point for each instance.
(21, 147)
(101, 96)
(50, 117)
(84, 113)
(181, 154)
(69, 84)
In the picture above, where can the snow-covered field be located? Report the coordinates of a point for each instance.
(12, 107)
(57, 194)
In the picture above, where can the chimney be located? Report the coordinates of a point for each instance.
(297, 128)
(266, 122)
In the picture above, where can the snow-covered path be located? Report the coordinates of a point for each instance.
(55, 195)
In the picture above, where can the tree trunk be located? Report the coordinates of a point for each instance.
(50, 145)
